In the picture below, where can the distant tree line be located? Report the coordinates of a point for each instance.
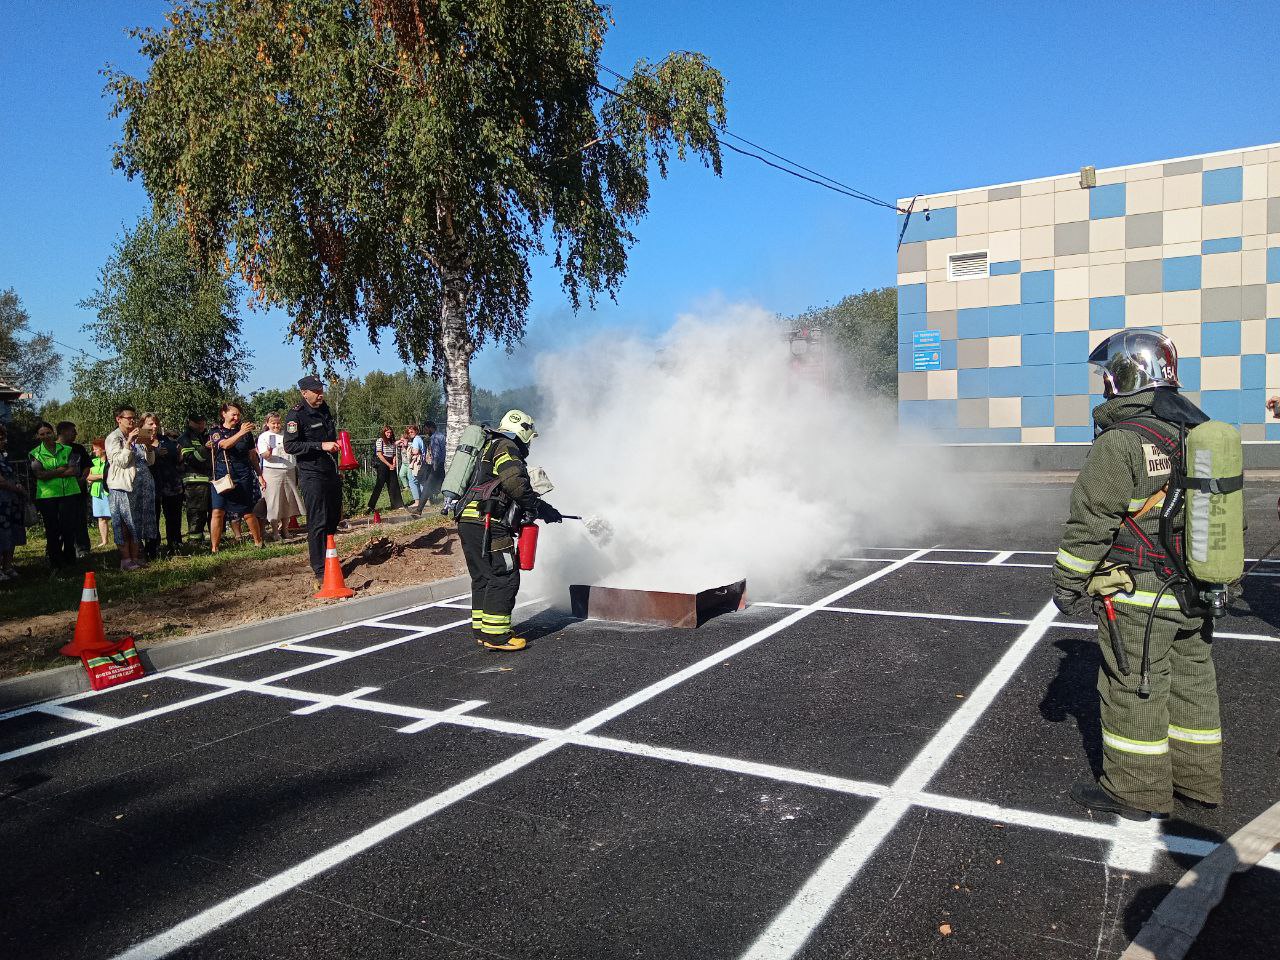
(862, 340)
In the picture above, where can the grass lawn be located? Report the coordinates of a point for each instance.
(41, 592)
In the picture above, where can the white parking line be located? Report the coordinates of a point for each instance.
(1001, 557)
(788, 932)
(336, 700)
(205, 698)
(202, 923)
(419, 725)
(307, 648)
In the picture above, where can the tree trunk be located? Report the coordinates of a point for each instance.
(458, 348)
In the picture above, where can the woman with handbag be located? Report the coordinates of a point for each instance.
(13, 503)
(128, 487)
(236, 477)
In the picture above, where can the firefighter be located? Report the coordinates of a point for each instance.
(499, 499)
(311, 435)
(1167, 744)
(196, 460)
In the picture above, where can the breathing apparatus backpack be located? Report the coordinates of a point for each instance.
(462, 469)
(1206, 481)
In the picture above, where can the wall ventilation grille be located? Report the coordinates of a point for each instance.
(968, 266)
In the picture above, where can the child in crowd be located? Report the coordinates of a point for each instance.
(98, 488)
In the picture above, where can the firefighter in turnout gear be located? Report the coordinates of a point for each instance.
(498, 501)
(1167, 743)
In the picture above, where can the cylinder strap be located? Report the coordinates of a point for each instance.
(1213, 484)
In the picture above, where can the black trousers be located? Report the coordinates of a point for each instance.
(385, 479)
(60, 515)
(83, 518)
(435, 479)
(197, 499)
(170, 508)
(322, 500)
(495, 579)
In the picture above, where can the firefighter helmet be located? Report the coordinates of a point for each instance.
(1135, 360)
(518, 425)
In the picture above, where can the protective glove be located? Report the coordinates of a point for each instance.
(549, 513)
(1070, 602)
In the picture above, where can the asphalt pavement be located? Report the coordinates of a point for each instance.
(873, 764)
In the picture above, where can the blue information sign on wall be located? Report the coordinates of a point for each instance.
(926, 338)
(926, 350)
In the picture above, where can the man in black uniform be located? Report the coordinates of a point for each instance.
(311, 435)
(500, 499)
(197, 462)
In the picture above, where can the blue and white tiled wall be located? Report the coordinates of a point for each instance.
(1190, 247)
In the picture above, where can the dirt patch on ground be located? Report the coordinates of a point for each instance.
(243, 592)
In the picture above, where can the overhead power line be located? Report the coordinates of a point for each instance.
(817, 178)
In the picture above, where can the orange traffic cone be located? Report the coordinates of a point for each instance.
(293, 524)
(377, 517)
(90, 635)
(334, 586)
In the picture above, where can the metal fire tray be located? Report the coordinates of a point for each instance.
(656, 607)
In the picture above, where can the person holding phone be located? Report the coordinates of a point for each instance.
(125, 450)
(280, 477)
(235, 456)
(167, 477)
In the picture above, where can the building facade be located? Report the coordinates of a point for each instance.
(1004, 290)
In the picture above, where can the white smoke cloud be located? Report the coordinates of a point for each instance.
(713, 461)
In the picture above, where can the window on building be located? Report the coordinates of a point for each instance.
(971, 265)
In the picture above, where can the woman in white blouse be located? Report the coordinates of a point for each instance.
(280, 476)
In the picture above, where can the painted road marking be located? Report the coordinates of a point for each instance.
(789, 930)
(208, 920)
(334, 701)
(419, 725)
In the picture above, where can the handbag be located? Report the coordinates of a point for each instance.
(225, 483)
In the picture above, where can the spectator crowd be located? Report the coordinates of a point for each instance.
(143, 474)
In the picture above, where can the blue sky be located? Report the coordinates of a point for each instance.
(892, 98)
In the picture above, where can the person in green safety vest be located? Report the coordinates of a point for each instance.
(98, 489)
(57, 496)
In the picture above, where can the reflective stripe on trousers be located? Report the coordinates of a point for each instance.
(1127, 745)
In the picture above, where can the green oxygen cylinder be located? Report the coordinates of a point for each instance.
(463, 466)
(1214, 467)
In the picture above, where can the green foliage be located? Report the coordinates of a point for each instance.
(28, 360)
(270, 400)
(170, 329)
(862, 331)
(488, 407)
(397, 399)
(395, 164)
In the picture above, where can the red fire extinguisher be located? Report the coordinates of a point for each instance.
(346, 456)
(528, 546)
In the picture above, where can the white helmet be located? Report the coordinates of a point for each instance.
(518, 425)
(1135, 360)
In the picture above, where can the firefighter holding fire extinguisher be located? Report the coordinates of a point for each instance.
(311, 435)
(499, 500)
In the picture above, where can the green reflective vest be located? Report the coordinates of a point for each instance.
(97, 488)
(58, 486)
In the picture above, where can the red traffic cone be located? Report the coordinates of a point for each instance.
(90, 635)
(334, 586)
(377, 517)
(293, 524)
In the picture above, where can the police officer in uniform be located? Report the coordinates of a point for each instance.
(499, 499)
(311, 435)
(1165, 744)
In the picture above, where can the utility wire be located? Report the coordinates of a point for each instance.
(823, 180)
